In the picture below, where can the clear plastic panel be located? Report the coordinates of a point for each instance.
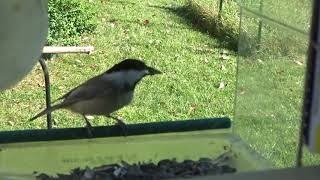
(270, 82)
(295, 13)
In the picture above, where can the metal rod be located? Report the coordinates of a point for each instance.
(309, 82)
(223, 123)
(67, 49)
(260, 25)
(47, 86)
(220, 6)
(235, 101)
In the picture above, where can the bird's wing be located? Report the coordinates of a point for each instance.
(65, 95)
(91, 89)
(88, 83)
(96, 87)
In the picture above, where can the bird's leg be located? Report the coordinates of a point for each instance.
(88, 126)
(121, 124)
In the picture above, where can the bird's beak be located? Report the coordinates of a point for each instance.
(153, 71)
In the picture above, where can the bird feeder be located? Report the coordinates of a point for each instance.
(260, 103)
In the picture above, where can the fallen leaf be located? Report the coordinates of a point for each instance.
(193, 107)
(225, 51)
(94, 66)
(41, 84)
(221, 85)
(11, 123)
(158, 41)
(132, 48)
(90, 117)
(112, 25)
(225, 57)
(298, 62)
(223, 68)
(78, 61)
(206, 60)
(85, 38)
(199, 49)
(260, 61)
(146, 22)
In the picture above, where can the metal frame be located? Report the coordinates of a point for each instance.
(310, 75)
(223, 123)
(220, 7)
(57, 50)
(47, 87)
(260, 25)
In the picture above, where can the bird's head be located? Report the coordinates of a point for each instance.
(131, 71)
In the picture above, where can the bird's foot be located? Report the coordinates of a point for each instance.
(121, 124)
(88, 127)
(54, 122)
(123, 127)
(89, 131)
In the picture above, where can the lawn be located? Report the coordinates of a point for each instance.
(199, 76)
(191, 61)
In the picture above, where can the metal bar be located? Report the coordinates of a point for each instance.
(68, 49)
(309, 81)
(113, 131)
(47, 86)
(220, 6)
(260, 25)
(57, 50)
(235, 101)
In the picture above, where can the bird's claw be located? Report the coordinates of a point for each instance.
(123, 127)
(89, 131)
(88, 127)
(121, 124)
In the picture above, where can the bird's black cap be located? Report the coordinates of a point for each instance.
(132, 64)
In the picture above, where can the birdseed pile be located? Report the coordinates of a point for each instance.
(164, 169)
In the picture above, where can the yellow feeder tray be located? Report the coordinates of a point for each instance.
(189, 139)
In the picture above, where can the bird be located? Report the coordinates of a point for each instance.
(105, 93)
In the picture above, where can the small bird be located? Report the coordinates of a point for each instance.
(105, 93)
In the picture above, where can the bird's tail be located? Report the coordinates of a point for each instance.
(46, 111)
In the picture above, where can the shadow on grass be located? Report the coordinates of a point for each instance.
(211, 24)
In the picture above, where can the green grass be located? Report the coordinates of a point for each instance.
(195, 60)
(191, 62)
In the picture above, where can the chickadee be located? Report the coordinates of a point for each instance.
(105, 93)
